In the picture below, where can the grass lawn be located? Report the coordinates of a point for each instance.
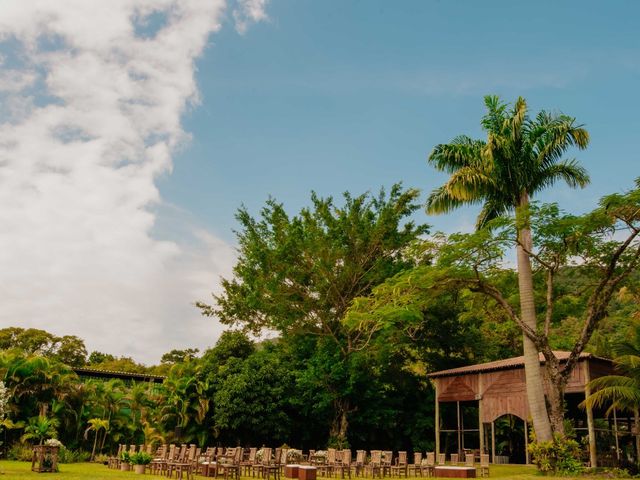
(22, 470)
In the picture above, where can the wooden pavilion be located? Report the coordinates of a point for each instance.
(497, 389)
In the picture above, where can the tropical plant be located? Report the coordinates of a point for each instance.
(521, 157)
(95, 425)
(140, 458)
(40, 428)
(621, 391)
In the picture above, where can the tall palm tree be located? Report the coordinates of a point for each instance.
(520, 157)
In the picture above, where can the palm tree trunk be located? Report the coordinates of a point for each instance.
(95, 442)
(533, 374)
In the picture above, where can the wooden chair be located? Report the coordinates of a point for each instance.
(231, 465)
(273, 468)
(469, 460)
(247, 463)
(402, 465)
(387, 459)
(344, 463)
(442, 458)
(374, 467)
(207, 463)
(429, 464)
(183, 463)
(359, 464)
(484, 465)
(158, 465)
(455, 459)
(260, 465)
(114, 461)
(416, 466)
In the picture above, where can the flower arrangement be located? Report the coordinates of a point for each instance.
(53, 442)
(294, 456)
(320, 454)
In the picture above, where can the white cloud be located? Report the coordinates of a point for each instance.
(248, 12)
(91, 102)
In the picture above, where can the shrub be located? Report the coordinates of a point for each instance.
(101, 458)
(66, 455)
(20, 452)
(125, 456)
(558, 456)
(140, 458)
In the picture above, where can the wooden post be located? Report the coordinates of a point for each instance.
(593, 456)
(493, 442)
(458, 427)
(437, 419)
(480, 424)
(615, 433)
(526, 442)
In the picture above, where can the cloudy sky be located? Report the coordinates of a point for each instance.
(131, 131)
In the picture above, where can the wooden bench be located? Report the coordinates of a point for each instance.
(307, 473)
(447, 471)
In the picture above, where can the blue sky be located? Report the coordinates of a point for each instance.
(352, 95)
(132, 130)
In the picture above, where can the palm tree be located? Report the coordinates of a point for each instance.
(520, 157)
(40, 428)
(95, 425)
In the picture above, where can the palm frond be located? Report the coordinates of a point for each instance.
(570, 171)
(463, 151)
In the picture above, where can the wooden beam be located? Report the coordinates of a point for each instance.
(526, 442)
(493, 442)
(437, 419)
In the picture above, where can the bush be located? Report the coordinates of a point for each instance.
(21, 452)
(558, 456)
(140, 458)
(66, 455)
(101, 458)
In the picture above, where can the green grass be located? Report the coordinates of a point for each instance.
(91, 471)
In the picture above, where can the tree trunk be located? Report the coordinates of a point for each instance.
(340, 423)
(95, 442)
(555, 395)
(534, 381)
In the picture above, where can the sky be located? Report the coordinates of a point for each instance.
(131, 131)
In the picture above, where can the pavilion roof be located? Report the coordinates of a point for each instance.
(99, 373)
(506, 364)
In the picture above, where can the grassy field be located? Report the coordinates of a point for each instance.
(22, 470)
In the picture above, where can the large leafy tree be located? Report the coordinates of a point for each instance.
(298, 274)
(520, 157)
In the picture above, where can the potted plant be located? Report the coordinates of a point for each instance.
(139, 461)
(125, 466)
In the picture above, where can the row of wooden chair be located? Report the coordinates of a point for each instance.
(266, 462)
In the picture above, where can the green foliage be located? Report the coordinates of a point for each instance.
(125, 456)
(179, 356)
(21, 452)
(140, 458)
(67, 349)
(101, 458)
(560, 456)
(66, 455)
(40, 428)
